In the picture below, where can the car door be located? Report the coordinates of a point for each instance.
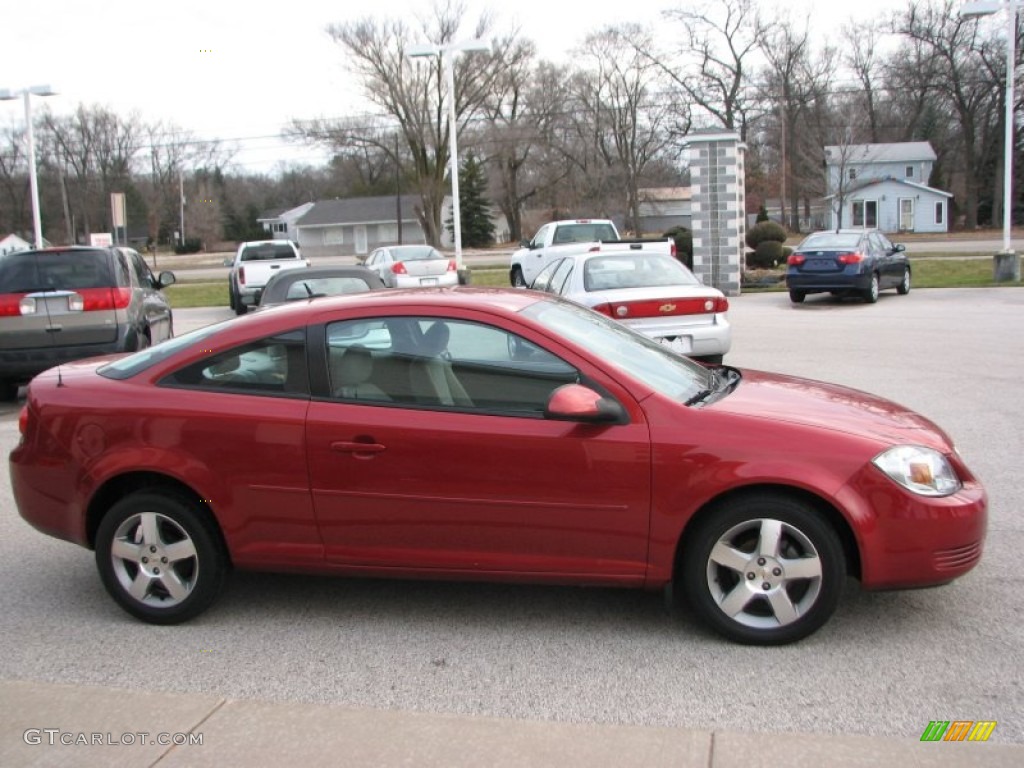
(155, 307)
(484, 484)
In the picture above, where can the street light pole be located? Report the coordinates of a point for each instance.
(1007, 265)
(7, 95)
(445, 54)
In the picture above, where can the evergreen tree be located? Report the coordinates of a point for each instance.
(474, 208)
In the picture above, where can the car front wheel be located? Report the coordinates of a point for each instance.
(158, 557)
(517, 279)
(904, 287)
(763, 570)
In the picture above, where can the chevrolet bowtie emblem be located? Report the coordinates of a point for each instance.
(666, 307)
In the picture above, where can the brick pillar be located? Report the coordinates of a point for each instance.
(718, 208)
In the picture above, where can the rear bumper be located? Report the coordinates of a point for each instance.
(22, 364)
(706, 338)
(834, 281)
(447, 280)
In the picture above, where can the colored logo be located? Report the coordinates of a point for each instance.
(958, 730)
(667, 308)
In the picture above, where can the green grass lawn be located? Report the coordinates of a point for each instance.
(940, 272)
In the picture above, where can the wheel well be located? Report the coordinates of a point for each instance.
(835, 519)
(117, 488)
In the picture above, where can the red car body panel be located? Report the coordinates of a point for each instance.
(470, 495)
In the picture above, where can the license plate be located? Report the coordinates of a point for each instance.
(680, 344)
(428, 281)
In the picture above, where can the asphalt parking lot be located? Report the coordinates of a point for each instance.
(886, 664)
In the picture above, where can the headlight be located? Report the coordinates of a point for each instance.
(921, 470)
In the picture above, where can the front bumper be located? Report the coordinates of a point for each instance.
(907, 540)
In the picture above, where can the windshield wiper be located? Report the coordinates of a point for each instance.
(701, 395)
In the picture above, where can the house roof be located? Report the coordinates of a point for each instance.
(358, 210)
(871, 182)
(897, 152)
(272, 214)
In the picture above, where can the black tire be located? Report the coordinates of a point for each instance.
(142, 341)
(517, 279)
(760, 537)
(159, 557)
(712, 359)
(231, 296)
(904, 287)
(871, 294)
(240, 308)
(797, 297)
(8, 390)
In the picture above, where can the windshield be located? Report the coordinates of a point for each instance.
(830, 240)
(584, 232)
(639, 270)
(641, 358)
(415, 253)
(268, 252)
(129, 365)
(30, 271)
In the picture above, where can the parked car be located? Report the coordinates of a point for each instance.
(651, 293)
(412, 266)
(67, 303)
(490, 434)
(255, 262)
(315, 282)
(858, 262)
(564, 238)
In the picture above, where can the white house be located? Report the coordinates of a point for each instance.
(281, 223)
(13, 243)
(355, 226)
(885, 186)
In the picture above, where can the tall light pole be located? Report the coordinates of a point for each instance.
(1007, 265)
(445, 54)
(8, 95)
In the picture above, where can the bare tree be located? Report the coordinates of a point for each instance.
(634, 121)
(13, 180)
(722, 40)
(955, 50)
(412, 95)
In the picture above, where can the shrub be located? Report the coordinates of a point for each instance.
(766, 230)
(191, 245)
(766, 255)
(684, 244)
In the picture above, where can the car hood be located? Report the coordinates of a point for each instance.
(806, 402)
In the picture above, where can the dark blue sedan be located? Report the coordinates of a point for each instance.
(847, 262)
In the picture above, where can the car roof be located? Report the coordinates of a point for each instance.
(499, 300)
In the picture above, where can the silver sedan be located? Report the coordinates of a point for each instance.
(412, 266)
(652, 293)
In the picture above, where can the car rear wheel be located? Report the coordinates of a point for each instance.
(871, 294)
(797, 297)
(763, 569)
(904, 287)
(517, 279)
(240, 307)
(159, 558)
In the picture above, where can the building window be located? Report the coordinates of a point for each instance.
(852, 174)
(940, 212)
(910, 171)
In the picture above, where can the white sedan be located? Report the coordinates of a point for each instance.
(652, 293)
(412, 266)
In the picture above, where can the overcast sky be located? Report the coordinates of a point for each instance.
(239, 71)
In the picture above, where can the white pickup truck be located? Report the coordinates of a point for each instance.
(254, 264)
(563, 238)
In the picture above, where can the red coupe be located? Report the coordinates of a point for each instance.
(492, 435)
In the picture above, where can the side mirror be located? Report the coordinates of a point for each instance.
(524, 243)
(165, 279)
(575, 402)
(899, 248)
(228, 262)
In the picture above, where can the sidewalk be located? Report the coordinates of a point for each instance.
(93, 726)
